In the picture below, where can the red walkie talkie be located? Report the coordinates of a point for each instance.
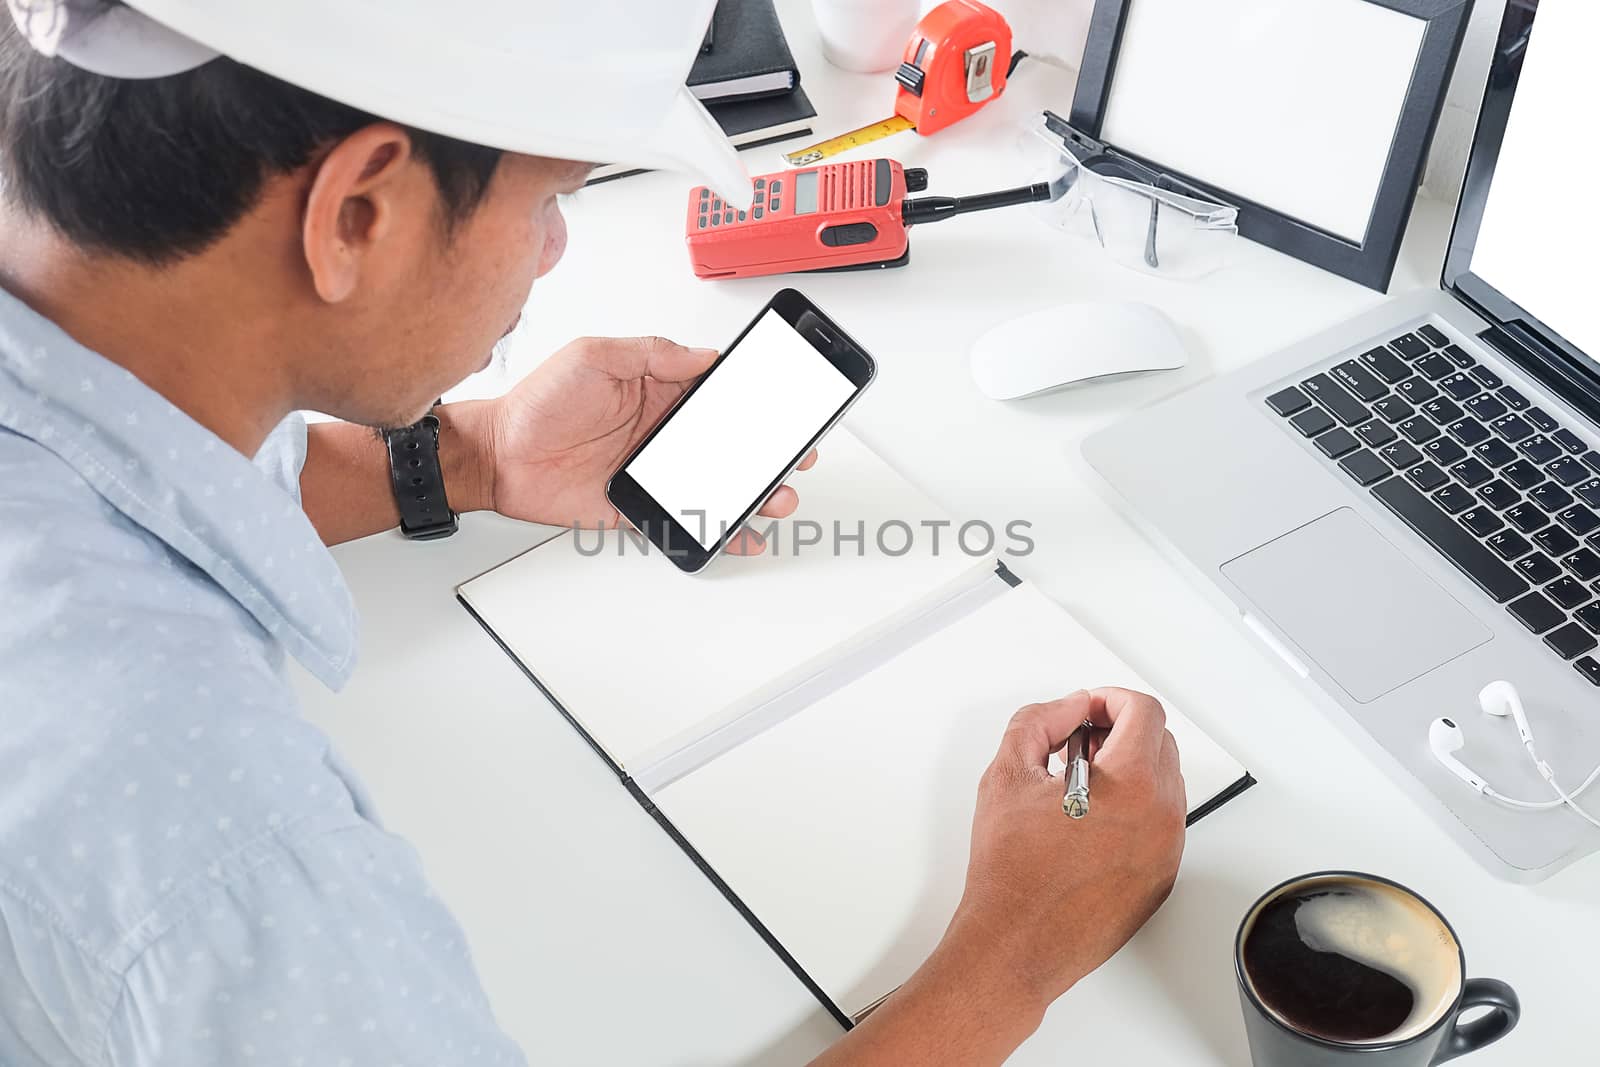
(837, 216)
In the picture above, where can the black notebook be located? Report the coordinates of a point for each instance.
(749, 57)
(748, 124)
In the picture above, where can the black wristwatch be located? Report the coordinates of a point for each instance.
(418, 480)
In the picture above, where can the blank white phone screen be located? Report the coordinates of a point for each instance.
(741, 429)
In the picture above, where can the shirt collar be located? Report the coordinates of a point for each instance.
(176, 479)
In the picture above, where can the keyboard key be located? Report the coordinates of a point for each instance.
(1494, 453)
(1527, 518)
(1287, 402)
(1589, 668)
(1364, 467)
(1509, 544)
(1410, 345)
(1444, 452)
(1536, 612)
(1312, 421)
(1569, 594)
(1538, 568)
(1447, 537)
(1481, 521)
(1386, 365)
(1589, 492)
(1499, 495)
(1589, 616)
(1336, 443)
(1550, 496)
(1418, 430)
(1459, 386)
(1540, 419)
(1591, 460)
(1567, 471)
(1468, 431)
(1427, 477)
(1442, 409)
(1555, 541)
(1393, 409)
(1375, 433)
(1433, 335)
(1511, 398)
(1513, 428)
(1486, 407)
(1470, 473)
(1569, 441)
(1486, 377)
(1579, 519)
(1359, 380)
(1416, 390)
(1522, 474)
(1433, 367)
(1455, 355)
(1540, 449)
(1400, 455)
(1325, 391)
(1571, 640)
(1454, 499)
(1584, 565)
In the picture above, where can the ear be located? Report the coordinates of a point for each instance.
(357, 195)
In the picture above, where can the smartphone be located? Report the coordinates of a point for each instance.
(732, 439)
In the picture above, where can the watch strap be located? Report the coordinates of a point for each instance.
(417, 479)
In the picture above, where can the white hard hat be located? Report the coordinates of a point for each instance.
(601, 81)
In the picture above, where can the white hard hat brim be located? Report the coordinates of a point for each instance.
(690, 140)
(500, 92)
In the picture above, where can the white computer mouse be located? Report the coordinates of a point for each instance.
(1074, 343)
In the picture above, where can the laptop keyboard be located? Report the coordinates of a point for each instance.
(1497, 486)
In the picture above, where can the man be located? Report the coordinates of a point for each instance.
(191, 250)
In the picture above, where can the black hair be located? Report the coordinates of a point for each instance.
(157, 169)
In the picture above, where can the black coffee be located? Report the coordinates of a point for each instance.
(1351, 961)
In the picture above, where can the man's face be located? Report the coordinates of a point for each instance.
(436, 300)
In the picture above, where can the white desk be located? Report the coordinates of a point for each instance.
(600, 943)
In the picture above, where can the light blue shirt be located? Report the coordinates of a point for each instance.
(188, 873)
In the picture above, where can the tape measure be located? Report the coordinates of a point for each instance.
(957, 60)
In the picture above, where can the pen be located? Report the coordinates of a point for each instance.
(1076, 758)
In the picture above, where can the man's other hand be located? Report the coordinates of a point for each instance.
(1055, 897)
(554, 439)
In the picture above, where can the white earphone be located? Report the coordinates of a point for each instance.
(1500, 698)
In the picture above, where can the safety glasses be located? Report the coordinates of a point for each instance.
(1130, 210)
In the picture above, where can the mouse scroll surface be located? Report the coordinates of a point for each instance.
(1074, 343)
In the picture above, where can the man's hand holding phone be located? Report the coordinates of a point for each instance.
(553, 440)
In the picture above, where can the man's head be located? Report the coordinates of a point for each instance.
(383, 260)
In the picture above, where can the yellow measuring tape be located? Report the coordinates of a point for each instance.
(845, 141)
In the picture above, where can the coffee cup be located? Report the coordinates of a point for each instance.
(1339, 968)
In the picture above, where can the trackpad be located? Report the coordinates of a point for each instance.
(1359, 609)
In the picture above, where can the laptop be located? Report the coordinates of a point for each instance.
(1407, 506)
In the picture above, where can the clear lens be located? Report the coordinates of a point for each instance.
(1140, 226)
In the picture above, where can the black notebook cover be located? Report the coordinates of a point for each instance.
(747, 43)
(748, 124)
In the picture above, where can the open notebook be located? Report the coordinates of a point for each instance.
(810, 724)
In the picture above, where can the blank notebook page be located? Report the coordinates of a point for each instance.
(845, 828)
(639, 652)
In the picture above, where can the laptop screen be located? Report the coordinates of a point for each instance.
(1528, 241)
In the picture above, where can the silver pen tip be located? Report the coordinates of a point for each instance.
(1075, 806)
